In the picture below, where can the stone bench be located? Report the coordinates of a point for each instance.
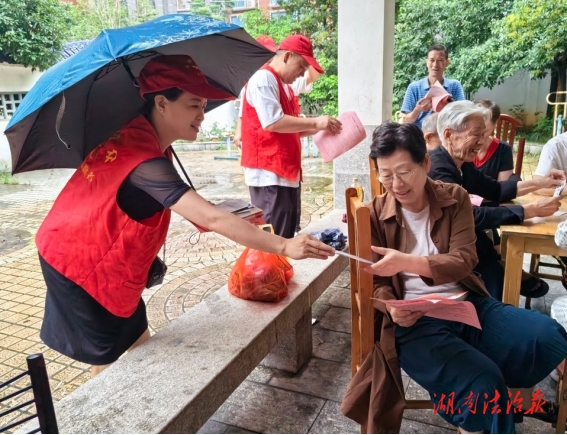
(177, 380)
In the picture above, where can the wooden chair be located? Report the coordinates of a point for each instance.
(506, 131)
(39, 384)
(362, 289)
(376, 187)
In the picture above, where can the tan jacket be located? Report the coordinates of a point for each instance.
(375, 396)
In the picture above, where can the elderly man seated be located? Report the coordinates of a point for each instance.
(429, 129)
(423, 236)
(461, 126)
(554, 156)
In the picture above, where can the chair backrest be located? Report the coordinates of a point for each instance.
(506, 131)
(39, 384)
(361, 283)
(376, 187)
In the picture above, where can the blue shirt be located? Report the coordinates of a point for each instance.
(419, 89)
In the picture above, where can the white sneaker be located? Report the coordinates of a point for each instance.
(555, 375)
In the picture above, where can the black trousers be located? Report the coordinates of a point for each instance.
(492, 273)
(298, 226)
(279, 205)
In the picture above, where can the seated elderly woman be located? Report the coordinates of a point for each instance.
(461, 126)
(423, 233)
(494, 158)
(429, 129)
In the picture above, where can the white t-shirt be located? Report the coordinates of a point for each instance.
(553, 155)
(418, 242)
(262, 93)
(299, 86)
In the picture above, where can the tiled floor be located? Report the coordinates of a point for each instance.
(269, 400)
(195, 269)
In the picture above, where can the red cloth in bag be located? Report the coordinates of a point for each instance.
(259, 276)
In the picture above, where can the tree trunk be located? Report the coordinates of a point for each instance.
(552, 88)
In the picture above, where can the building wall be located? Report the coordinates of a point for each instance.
(14, 79)
(520, 90)
(5, 157)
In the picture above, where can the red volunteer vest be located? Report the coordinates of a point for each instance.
(89, 239)
(275, 152)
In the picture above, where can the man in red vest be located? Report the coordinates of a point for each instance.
(271, 130)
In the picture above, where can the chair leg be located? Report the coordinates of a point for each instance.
(534, 264)
(561, 400)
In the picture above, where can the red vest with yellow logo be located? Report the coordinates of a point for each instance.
(275, 152)
(89, 239)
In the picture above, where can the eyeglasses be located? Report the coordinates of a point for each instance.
(405, 177)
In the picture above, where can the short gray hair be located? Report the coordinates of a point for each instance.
(429, 123)
(455, 116)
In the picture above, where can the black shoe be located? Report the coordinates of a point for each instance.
(549, 414)
(529, 290)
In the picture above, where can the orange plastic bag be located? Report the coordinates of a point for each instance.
(259, 276)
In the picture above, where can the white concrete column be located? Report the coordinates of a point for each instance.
(366, 71)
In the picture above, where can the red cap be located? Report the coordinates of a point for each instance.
(301, 45)
(267, 41)
(178, 71)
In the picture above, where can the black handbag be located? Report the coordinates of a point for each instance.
(157, 272)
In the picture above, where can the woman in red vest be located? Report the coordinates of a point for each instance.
(106, 227)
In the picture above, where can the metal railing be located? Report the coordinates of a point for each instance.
(559, 120)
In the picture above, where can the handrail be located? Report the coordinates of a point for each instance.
(556, 110)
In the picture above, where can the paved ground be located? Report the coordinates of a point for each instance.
(269, 400)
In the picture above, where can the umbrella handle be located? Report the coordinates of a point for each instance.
(59, 118)
(182, 168)
(130, 73)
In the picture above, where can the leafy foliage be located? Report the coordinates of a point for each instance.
(535, 35)
(258, 22)
(219, 9)
(316, 19)
(32, 31)
(460, 25)
(488, 40)
(90, 17)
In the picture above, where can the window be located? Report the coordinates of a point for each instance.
(9, 103)
(236, 19)
(241, 4)
(273, 2)
(276, 15)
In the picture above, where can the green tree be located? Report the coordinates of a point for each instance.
(488, 40)
(198, 7)
(316, 19)
(220, 9)
(534, 37)
(32, 31)
(90, 17)
(258, 22)
(463, 26)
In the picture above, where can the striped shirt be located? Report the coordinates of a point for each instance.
(419, 89)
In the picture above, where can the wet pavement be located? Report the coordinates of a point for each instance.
(269, 400)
